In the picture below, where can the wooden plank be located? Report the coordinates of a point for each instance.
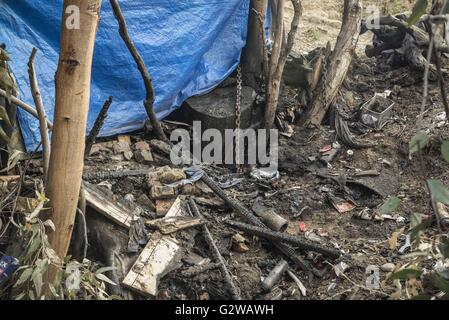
(154, 262)
(159, 257)
(104, 204)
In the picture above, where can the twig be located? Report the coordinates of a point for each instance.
(426, 72)
(216, 253)
(97, 126)
(149, 99)
(441, 82)
(24, 106)
(40, 113)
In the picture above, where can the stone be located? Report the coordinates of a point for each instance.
(143, 156)
(238, 243)
(159, 192)
(146, 202)
(128, 155)
(160, 146)
(388, 267)
(121, 147)
(142, 145)
(124, 138)
(162, 207)
(165, 175)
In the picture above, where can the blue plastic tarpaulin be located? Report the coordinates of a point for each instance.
(189, 46)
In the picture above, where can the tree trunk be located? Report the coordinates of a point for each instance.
(253, 53)
(72, 104)
(339, 63)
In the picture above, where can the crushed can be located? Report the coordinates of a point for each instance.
(8, 265)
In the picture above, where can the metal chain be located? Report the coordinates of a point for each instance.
(238, 114)
(325, 95)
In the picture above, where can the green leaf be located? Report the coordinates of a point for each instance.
(407, 274)
(438, 191)
(391, 205)
(444, 248)
(105, 269)
(421, 297)
(445, 148)
(415, 219)
(418, 11)
(103, 278)
(441, 284)
(26, 274)
(416, 231)
(418, 142)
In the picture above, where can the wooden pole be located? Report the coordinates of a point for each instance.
(72, 104)
(253, 53)
(279, 56)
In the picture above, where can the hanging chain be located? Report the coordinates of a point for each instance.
(325, 95)
(238, 114)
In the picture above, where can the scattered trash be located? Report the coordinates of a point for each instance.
(341, 205)
(269, 216)
(264, 174)
(8, 265)
(340, 268)
(275, 275)
(302, 226)
(173, 224)
(298, 282)
(376, 111)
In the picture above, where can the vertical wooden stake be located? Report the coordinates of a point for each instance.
(79, 28)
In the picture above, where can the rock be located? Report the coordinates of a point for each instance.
(165, 175)
(210, 202)
(142, 145)
(158, 192)
(238, 243)
(124, 138)
(128, 155)
(162, 207)
(143, 156)
(146, 202)
(202, 188)
(388, 267)
(121, 147)
(160, 146)
(129, 197)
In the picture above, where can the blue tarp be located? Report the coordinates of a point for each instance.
(189, 46)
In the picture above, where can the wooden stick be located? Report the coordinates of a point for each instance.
(73, 78)
(97, 126)
(24, 106)
(149, 99)
(279, 58)
(40, 112)
(216, 253)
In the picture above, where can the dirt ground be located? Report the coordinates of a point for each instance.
(302, 194)
(308, 191)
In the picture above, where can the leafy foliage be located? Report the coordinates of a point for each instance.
(445, 148)
(418, 11)
(391, 205)
(418, 142)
